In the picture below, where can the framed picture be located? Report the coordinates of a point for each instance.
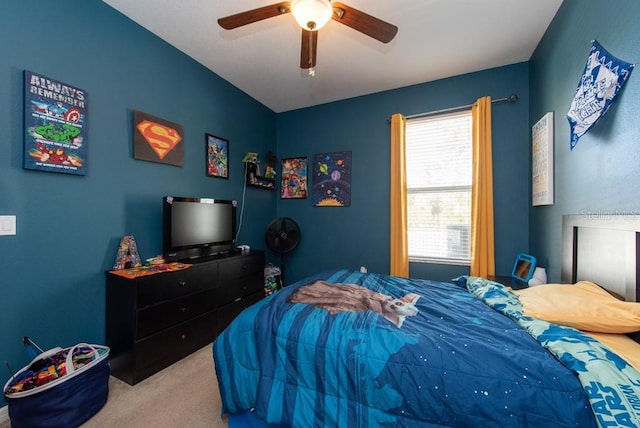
(332, 179)
(542, 161)
(294, 178)
(157, 140)
(217, 156)
(55, 125)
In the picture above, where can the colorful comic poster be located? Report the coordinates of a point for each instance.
(217, 156)
(332, 179)
(294, 178)
(55, 120)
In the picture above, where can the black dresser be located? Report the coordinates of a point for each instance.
(155, 320)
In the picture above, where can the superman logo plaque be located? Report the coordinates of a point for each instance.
(157, 140)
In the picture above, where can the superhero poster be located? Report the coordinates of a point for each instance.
(157, 140)
(55, 121)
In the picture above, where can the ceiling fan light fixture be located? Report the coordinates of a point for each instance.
(311, 14)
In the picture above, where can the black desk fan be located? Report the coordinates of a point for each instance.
(282, 236)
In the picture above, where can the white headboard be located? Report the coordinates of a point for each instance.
(604, 249)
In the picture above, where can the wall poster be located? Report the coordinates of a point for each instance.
(332, 179)
(55, 125)
(542, 161)
(217, 156)
(157, 140)
(294, 178)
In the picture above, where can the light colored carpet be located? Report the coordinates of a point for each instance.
(184, 394)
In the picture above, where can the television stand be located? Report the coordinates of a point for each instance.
(155, 320)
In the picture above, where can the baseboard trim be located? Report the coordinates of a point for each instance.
(4, 414)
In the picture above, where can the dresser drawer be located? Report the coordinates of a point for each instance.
(229, 312)
(253, 298)
(164, 348)
(170, 285)
(238, 267)
(240, 287)
(154, 318)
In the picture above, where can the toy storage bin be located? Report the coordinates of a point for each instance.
(66, 401)
(272, 279)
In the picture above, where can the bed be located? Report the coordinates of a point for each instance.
(344, 348)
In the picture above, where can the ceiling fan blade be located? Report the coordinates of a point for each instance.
(309, 49)
(366, 24)
(254, 15)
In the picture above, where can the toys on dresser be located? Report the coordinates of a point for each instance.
(157, 260)
(127, 255)
(151, 269)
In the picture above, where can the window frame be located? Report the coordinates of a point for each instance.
(453, 188)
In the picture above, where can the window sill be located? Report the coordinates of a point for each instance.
(440, 261)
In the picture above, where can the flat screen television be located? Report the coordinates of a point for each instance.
(197, 228)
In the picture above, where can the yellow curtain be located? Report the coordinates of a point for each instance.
(482, 233)
(399, 247)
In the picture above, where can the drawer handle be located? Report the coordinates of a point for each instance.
(182, 283)
(183, 336)
(182, 309)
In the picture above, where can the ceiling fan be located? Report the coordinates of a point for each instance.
(312, 15)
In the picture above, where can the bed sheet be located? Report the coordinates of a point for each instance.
(453, 361)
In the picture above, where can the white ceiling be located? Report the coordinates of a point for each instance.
(436, 39)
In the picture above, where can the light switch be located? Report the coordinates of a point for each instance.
(7, 225)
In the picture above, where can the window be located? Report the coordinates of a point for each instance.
(439, 177)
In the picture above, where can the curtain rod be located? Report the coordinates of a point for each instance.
(511, 98)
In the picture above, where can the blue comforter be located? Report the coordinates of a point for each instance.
(456, 362)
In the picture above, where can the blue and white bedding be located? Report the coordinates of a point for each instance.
(612, 384)
(382, 351)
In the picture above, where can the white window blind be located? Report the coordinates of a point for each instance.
(439, 178)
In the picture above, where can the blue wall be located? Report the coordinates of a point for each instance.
(68, 227)
(358, 235)
(600, 176)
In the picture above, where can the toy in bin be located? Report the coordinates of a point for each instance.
(60, 387)
(272, 279)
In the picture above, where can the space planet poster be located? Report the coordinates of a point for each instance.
(55, 121)
(332, 179)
